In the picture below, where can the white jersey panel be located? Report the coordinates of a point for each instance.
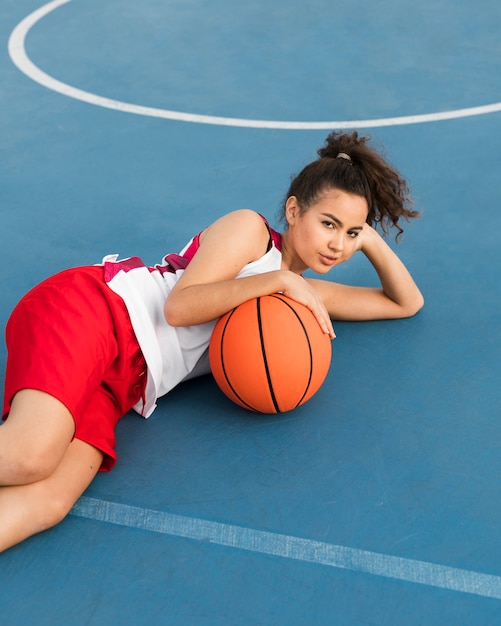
(172, 354)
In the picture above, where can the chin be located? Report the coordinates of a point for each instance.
(323, 269)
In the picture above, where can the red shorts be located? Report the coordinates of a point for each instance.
(71, 336)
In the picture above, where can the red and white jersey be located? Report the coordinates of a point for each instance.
(172, 354)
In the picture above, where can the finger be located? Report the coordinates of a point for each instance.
(324, 321)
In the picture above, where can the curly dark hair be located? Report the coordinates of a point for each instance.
(347, 163)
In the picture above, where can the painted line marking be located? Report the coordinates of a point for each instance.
(289, 547)
(21, 60)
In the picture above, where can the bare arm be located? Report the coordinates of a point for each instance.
(208, 287)
(397, 297)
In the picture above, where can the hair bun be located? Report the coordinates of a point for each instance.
(339, 143)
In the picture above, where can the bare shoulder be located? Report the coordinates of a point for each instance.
(241, 220)
(226, 246)
(243, 233)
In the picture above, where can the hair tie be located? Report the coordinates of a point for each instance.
(343, 155)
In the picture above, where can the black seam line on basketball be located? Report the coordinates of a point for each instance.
(222, 363)
(265, 360)
(278, 297)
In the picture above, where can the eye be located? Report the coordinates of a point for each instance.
(353, 234)
(329, 224)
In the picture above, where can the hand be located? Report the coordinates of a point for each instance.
(365, 238)
(298, 289)
(357, 243)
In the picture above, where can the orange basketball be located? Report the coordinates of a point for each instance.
(269, 354)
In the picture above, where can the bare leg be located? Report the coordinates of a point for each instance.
(34, 439)
(29, 509)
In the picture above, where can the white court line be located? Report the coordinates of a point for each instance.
(19, 57)
(290, 547)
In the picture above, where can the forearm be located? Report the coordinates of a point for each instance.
(396, 282)
(200, 303)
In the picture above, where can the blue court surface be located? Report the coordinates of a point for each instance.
(126, 127)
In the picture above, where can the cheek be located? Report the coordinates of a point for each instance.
(304, 238)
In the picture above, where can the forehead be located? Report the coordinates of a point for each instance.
(346, 207)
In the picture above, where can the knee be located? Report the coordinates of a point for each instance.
(48, 507)
(56, 509)
(25, 469)
(34, 438)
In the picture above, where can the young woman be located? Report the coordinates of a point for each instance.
(90, 343)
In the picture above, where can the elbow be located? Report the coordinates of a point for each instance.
(419, 303)
(172, 314)
(413, 307)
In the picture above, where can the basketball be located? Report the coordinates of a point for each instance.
(269, 354)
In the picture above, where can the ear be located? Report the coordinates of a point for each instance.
(291, 210)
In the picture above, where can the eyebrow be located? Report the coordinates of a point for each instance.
(339, 222)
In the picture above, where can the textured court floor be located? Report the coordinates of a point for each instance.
(126, 127)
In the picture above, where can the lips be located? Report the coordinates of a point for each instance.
(328, 260)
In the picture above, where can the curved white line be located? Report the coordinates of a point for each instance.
(19, 57)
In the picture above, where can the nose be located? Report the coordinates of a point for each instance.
(336, 241)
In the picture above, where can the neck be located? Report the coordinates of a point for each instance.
(289, 259)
